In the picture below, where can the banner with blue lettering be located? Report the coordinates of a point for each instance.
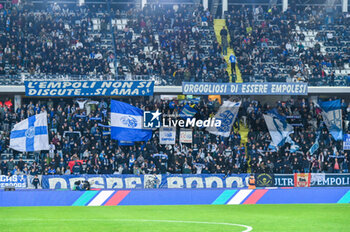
(147, 181)
(278, 88)
(322, 179)
(167, 135)
(17, 181)
(88, 88)
(284, 180)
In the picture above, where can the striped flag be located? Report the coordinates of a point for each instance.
(187, 112)
(127, 123)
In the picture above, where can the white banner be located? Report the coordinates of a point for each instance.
(167, 135)
(186, 136)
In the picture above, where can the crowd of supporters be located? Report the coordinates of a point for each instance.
(177, 44)
(307, 121)
(269, 44)
(80, 141)
(174, 44)
(58, 40)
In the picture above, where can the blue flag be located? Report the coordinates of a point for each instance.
(316, 145)
(172, 105)
(332, 117)
(187, 112)
(127, 123)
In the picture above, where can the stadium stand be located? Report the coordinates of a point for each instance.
(201, 115)
(306, 45)
(78, 133)
(55, 41)
(171, 45)
(156, 43)
(174, 46)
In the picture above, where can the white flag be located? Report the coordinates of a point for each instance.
(278, 129)
(30, 134)
(227, 114)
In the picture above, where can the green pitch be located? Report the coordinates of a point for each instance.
(295, 218)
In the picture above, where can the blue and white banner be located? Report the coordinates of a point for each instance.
(346, 142)
(187, 112)
(167, 135)
(88, 88)
(17, 181)
(279, 129)
(278, 88)
(284, 180)
(141, 181)
(174, 181)
(127, 123)
(332, 117)
(30, 134)
(322, 179)
(227, 114)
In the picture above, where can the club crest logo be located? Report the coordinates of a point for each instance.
(30, 132)
(129, 121)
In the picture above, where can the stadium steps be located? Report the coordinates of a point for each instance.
(243, 131)
(218, 24)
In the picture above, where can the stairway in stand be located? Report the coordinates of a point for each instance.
(218, 24)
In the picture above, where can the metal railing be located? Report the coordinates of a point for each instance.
(19, 79)
(160, 80)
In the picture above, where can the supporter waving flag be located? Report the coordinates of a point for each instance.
(227, 114)
(127, 123)
(316, 144)
(279, 129)
(30, 134)
(332, 117)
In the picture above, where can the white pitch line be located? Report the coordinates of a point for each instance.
(247, 228)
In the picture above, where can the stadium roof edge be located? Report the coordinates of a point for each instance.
(178, 89)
